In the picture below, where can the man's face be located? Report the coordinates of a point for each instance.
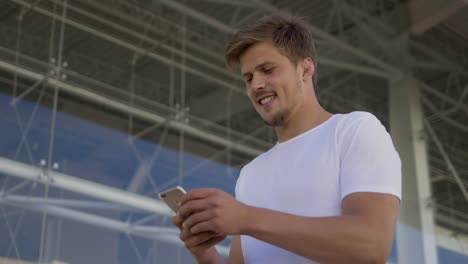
(274, 84)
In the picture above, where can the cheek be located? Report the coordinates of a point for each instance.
(250, 96)
(292, 91)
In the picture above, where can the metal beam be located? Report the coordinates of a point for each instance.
(163, 234)
(156, 43)
(92, 189)
(393, 71)
(354, 67)
(445, 156)
(237, 3)
(440, 116)
(450, 221)
(71, 203)
(425, 87)
(324, 61)
(100, 6)
(83, 93)
(427, 14)
(130, 46)
(441, 60)
(388, 70)
(364, 27)
(218, 100)
(77, 185)
(198, 16)
(423, 48)
(414, 234)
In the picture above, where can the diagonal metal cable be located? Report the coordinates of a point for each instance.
(25, 131)
(31, 88)
(135, 248)
(135, 151)
(10, 233)
(15, 188)
(208, 160)
(19, 222)
(148, 167)
(156, 151)
(445, 156)
(20, 123)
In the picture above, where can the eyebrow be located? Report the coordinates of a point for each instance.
(261, 65)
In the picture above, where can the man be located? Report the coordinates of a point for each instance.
(328, 191)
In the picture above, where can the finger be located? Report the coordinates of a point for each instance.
(185, 235)
(205, 226)
(192, 207)
(198, 217)
(195, 194)
(176, 220)
(212, 241)
(200, 238)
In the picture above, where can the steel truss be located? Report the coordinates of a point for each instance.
(189, 38)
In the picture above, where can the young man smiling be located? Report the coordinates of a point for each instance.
(328, 191)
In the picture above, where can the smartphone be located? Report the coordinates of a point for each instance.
(172, 197)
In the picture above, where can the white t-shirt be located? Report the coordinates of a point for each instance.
(310, 174)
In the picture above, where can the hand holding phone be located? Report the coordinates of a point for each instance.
(199, 250)
(172, 197)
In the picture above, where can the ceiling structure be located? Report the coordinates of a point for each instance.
(161, 63)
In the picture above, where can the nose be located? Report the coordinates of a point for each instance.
(257, 83)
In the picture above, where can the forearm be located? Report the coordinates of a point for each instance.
(342, 239)
(211, 256)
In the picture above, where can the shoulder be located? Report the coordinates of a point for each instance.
(357, 117)
(361, 128)
(357, 121)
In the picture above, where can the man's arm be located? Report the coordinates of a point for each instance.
(235, 254)
(363, 234)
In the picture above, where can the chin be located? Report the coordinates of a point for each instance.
(277, 119)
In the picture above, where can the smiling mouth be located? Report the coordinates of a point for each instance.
(266, 100)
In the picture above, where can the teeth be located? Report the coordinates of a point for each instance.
(266, 100)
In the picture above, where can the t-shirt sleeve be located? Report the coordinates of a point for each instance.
(368, 159)
(239, 183)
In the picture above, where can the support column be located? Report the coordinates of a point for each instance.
(415, 231)
(52, 240)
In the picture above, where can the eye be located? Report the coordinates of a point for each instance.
(268, 70)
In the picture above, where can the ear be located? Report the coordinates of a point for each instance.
(308, 69)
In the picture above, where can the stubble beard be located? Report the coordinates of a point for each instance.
(278, 119)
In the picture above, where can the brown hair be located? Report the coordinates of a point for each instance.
(288, 34)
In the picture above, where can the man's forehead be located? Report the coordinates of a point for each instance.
(258, 55)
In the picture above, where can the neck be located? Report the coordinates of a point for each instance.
(302, 120)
